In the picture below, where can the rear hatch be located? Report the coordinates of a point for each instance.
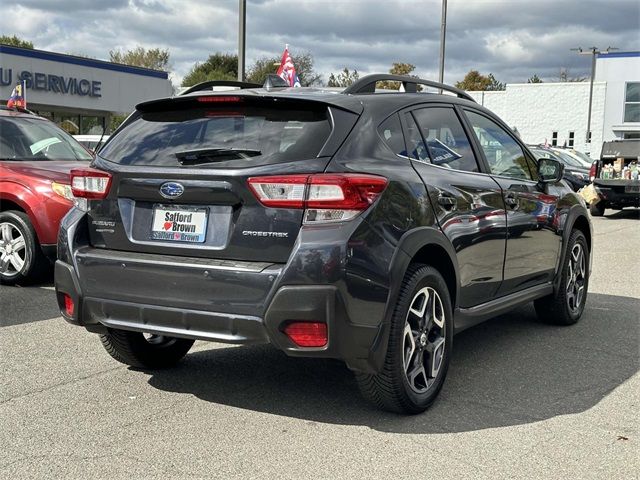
(180, 171)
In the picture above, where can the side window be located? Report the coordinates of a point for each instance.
(391, 132)
(415, 142)
(504, 155)
(447, 143)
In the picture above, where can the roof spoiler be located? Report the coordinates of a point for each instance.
(367, 84)
(220, 83)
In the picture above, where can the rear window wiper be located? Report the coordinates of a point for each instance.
(208, 155)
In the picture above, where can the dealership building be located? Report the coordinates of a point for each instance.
(557, 113)
(79, 94)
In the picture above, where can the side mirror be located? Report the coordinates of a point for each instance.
(549, 170)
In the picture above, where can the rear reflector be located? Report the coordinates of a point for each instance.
(307, 334)
(90, 183)
(69, 307)
(326, 197)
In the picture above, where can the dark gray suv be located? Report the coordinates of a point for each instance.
(362, 225)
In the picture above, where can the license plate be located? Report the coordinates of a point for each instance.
(632, 189)
(179, 224)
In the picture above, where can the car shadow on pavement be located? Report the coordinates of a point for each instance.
(628, 213)
(510, 370)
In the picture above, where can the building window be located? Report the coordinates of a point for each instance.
(571, 137)
(632, 102)
(630, 135)
(554, 139)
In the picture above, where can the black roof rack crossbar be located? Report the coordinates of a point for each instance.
(367, 84)
(220, 83)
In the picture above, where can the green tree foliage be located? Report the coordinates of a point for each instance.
(398, 68)
(534, 79)
(219, 66)
(303, 61)
(494, 84)
(343, 79)
(474, 81)
(155, 58)
(115, 122)
(15, 41)
(565, 76)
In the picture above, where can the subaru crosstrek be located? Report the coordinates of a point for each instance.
(363, 226)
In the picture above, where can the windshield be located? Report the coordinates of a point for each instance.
(221, 136)
(29, 139)
(568, 159)
(583, 156)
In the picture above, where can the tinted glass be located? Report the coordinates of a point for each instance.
(24, 138)
(632, 112)
(232, 135)
(447, 143)
(415, 142)
(504, 155)
(391, 132)
(633, 92)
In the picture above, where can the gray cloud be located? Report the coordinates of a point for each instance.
(513, 39)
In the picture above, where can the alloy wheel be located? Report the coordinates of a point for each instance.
(576, 278)
(13, 250)
(423, 340)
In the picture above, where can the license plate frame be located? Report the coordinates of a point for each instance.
(632, 189)
(185, 224)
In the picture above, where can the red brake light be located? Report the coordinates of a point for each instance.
(218, 99)
(307, 334)
(326, 197)
(90, 183)
(593, 171)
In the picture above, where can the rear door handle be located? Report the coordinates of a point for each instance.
(447, 201)
(511, 200)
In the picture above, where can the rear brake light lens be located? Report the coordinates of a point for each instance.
(326, 197)
(592, 171)
(219, 99)
(307, 334)
(90, 183)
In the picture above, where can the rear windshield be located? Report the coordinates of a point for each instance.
(30, 139)
(229, 135)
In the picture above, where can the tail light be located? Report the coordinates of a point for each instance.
(69, 307)
(307, 334)
(593, 171)
(90, 183)
(325, 197)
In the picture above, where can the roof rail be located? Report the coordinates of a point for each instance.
(367, 84)
(220, 83)
(17, 109)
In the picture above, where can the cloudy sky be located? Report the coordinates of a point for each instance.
(513, 39)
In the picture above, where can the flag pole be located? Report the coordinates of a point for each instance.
(24, 93)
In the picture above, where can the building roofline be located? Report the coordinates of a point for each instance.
(618, 55)
(83, 62)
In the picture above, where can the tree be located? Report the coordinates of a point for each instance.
(219, 66)
(398, 68)
(534, 79)
(303, 61)
(154, 58)
(15, 41)
(565, 77)
(343, 79)
(474, 81)
(494, 84)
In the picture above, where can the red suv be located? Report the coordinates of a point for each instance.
(35, 160)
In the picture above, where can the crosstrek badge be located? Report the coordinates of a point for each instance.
(179, 224)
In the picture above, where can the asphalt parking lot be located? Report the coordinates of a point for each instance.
(522, 399)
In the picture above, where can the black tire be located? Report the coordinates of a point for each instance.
(144, 352)
(597, 209)
(391, 389)
(565, 307)
(26, 263)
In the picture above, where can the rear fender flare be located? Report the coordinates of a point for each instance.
(575, 212)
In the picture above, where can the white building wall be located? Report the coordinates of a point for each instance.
(537, 110)
(616, 69)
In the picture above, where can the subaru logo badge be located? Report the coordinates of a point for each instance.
(171, 189)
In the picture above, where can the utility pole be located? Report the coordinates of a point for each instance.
(443, 34)
(242, 23)
(594, 52)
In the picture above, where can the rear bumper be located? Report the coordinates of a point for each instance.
(346, 341)
(617, 197)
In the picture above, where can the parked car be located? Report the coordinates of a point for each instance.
(92, 142)
(35, 193)
(584, 159)
(575, 173)
(367, 227)
(614, 189)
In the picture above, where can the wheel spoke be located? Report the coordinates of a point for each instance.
(16, 261)
(436, 354)
(4, 263)
(18, 244)
(6, 231)
(438, 313)
(419, 303)
(418, 373)
(409, 348)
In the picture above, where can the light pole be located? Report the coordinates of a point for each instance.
(443, 34)
(593, 51)
(242, 23)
